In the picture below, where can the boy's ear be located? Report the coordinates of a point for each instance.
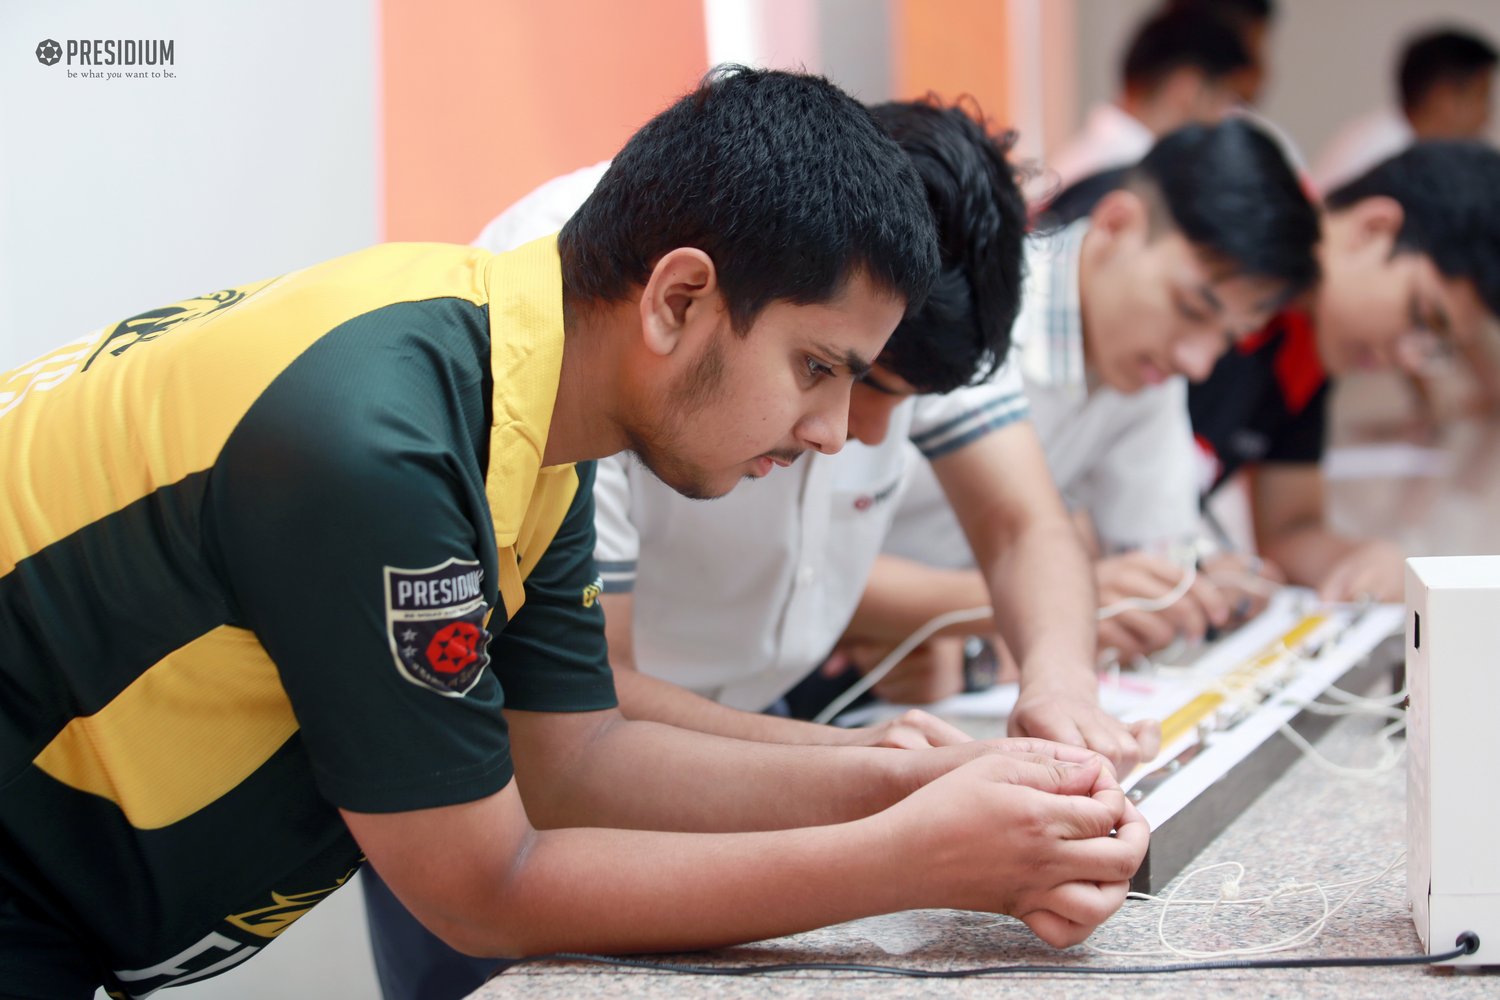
(1183, 90)
(1376, 218)
(683, 289)
(1120, 213)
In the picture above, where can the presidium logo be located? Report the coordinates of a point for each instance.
(133, 57)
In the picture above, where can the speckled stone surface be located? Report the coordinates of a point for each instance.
(1311, 826)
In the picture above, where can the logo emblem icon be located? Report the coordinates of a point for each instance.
(48, 52)
(147, 326)
(455, 646)
(434, 620)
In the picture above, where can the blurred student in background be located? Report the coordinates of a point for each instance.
(1198, 244)
(1444, 83)
(1411, 273)
(1178, 69)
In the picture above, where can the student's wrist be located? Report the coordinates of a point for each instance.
(898, 833)
(1057, 678)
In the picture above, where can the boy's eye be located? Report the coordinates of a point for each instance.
(1189, 313)
(817, 369)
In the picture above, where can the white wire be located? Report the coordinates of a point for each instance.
(1171, 597)
(1349, 697)
(898, 654)
(895, 656)
(1229, 896)
(1247, 581)
(1390, 755)
(1319, 708)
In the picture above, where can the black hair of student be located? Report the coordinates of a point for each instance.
(1446, 56)
(1177, 38)
(1237, 12)
(1449, 193)
(1229, 190)
(784, 180)
(961, 334)
(1079, 198)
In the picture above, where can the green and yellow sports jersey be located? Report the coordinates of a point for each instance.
(264, 553)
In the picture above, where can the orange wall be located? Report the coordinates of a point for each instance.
(485, 99)
(953, 47)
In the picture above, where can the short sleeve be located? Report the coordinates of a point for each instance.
(551, 656)
(617, 546)
(944, 423)
(1302, 439)
(541, 212)
(358, 551)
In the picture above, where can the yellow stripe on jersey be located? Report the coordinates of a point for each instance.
(526, 358)
(555, 489)
(153, 374)
(187, 731)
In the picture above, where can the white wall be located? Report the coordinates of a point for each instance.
(1335, 59)
(1330, 59)
(120, 195)
(116, 195)
(848, 41)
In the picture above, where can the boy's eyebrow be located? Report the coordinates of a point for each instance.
(858, 366)
(1214, 302)
(870, 380)
(1441, 324)
(1436, 319)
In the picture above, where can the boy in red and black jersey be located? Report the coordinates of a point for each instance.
(1411, 272)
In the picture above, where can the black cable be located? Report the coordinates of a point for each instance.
(1467, 943)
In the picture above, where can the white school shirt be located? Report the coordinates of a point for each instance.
(1128, 460)
(1359, 145)
(542, 211)
(1110, 137)
(741, 597)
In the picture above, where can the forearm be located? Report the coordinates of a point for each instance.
(1021, 830)
(619, 891)
(1038, 577)
(631, 775)
(651, 699)
(902, 595)
(1306, 551)
(1046, 605)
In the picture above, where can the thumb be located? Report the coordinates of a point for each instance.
(1147, 733)
(901, 736)
(1046, 774)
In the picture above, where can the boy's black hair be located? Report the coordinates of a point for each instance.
(1229, 190)
(1236, 12)
(785, 181)
(962, 333)
(1177, 38)
(1446, 56)
(1449, 193)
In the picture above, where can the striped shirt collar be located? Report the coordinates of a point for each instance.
(1051, 321)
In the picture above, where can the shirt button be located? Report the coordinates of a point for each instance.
(806, 575)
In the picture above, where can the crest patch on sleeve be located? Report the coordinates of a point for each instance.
(434, 620)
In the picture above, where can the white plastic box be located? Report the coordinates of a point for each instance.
(1453, 751)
